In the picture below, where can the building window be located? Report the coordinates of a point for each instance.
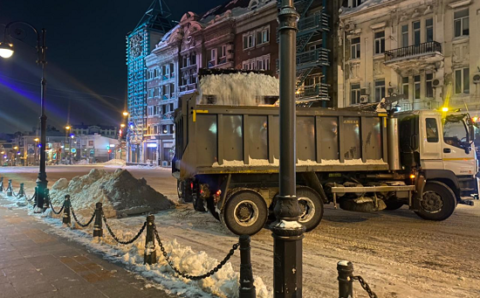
(405, 36)
(164, 129)
(213, 55)
(355, 3)
(259, 64)
(416, 33)
(223, 51)
(263, 35)
(355, 93)
(379, 42)
(432, 130)
(172, 128)
(461, 23)
(429, 84)
(248, 40)
(429, 29)
(355, 48)
(405, 86)
(379, 90)
(462, 81)
(416, 86)
(150, 92)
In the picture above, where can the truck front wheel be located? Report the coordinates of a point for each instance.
(311, 206)
(437, 202)
(245, 213)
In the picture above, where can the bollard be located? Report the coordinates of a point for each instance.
(9, 188)
(150, 254)
(97, 227)
(247, 289)
(66, 211)
(345, 281)
(1, 183)
(21, 191)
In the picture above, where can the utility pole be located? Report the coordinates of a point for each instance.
(287, 232)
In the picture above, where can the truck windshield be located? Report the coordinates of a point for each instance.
(455, 133)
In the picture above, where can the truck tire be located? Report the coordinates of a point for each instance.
(311, 205)
(181, 191)
(245, 213)
(437, 203)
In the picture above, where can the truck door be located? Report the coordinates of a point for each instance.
(458, 149)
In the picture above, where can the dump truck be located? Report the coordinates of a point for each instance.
(227, 161)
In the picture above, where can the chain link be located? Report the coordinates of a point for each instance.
(33, 196)
(365, 286)
(198, 277)
(116, 238)
(53, 209)
(79, 223)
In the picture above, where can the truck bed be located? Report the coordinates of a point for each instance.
(237, 139)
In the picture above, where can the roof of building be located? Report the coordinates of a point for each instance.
(228, 5)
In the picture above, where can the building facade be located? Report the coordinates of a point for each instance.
(423, 50)
(103, 130)
(140, 42)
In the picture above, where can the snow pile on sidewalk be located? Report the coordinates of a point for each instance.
(238, 89)
(120, 193)
(223, 284)
(116, 162)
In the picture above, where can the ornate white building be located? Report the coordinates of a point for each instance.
(423, 49)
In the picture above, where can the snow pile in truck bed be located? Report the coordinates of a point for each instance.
(120, 193)
(238, 89)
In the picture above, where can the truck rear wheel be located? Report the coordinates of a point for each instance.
(245, 213)
(311, 206)
(437, 202)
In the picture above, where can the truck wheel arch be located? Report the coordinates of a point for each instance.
(445, 176)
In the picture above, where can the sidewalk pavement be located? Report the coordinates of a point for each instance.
(36, 264)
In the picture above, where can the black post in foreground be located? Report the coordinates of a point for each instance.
(1, 183)
(247, 289)
(287, 232)
(21, 191)
(97, 227)
(345, 281)
(66, 211)
(9, 188)
(150, 254)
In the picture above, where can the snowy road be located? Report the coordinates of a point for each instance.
(396, 252)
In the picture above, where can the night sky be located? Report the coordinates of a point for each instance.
(86, 59)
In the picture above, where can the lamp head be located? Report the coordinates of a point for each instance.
(125, 114)
(6, 49)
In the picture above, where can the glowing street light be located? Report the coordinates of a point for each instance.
(36, 139)
(122, 125)
(6, 50)
(67, 127)
(444, 109)
(125, 114)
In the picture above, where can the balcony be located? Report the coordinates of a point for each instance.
(312, 92)
(188, 87)
(315, 22)
(317, 57)
(414, 56)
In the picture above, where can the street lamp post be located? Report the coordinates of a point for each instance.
(6, 51)
(287, 232)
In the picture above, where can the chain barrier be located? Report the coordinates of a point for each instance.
(53, 209)
(33, 197)
(365, 286)
(79, 223)
(198, 277)
(116, 238)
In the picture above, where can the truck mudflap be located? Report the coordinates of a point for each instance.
(419, 186)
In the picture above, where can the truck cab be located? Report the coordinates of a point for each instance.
(440, 147)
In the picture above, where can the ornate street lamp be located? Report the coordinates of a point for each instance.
(6, 51)
(287, 232)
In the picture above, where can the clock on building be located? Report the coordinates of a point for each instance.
(136, 44)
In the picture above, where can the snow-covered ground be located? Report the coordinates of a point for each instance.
(396, 252)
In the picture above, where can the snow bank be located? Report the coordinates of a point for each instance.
(223, 284)
(120, 193)
(238, 89)
(116, 162)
